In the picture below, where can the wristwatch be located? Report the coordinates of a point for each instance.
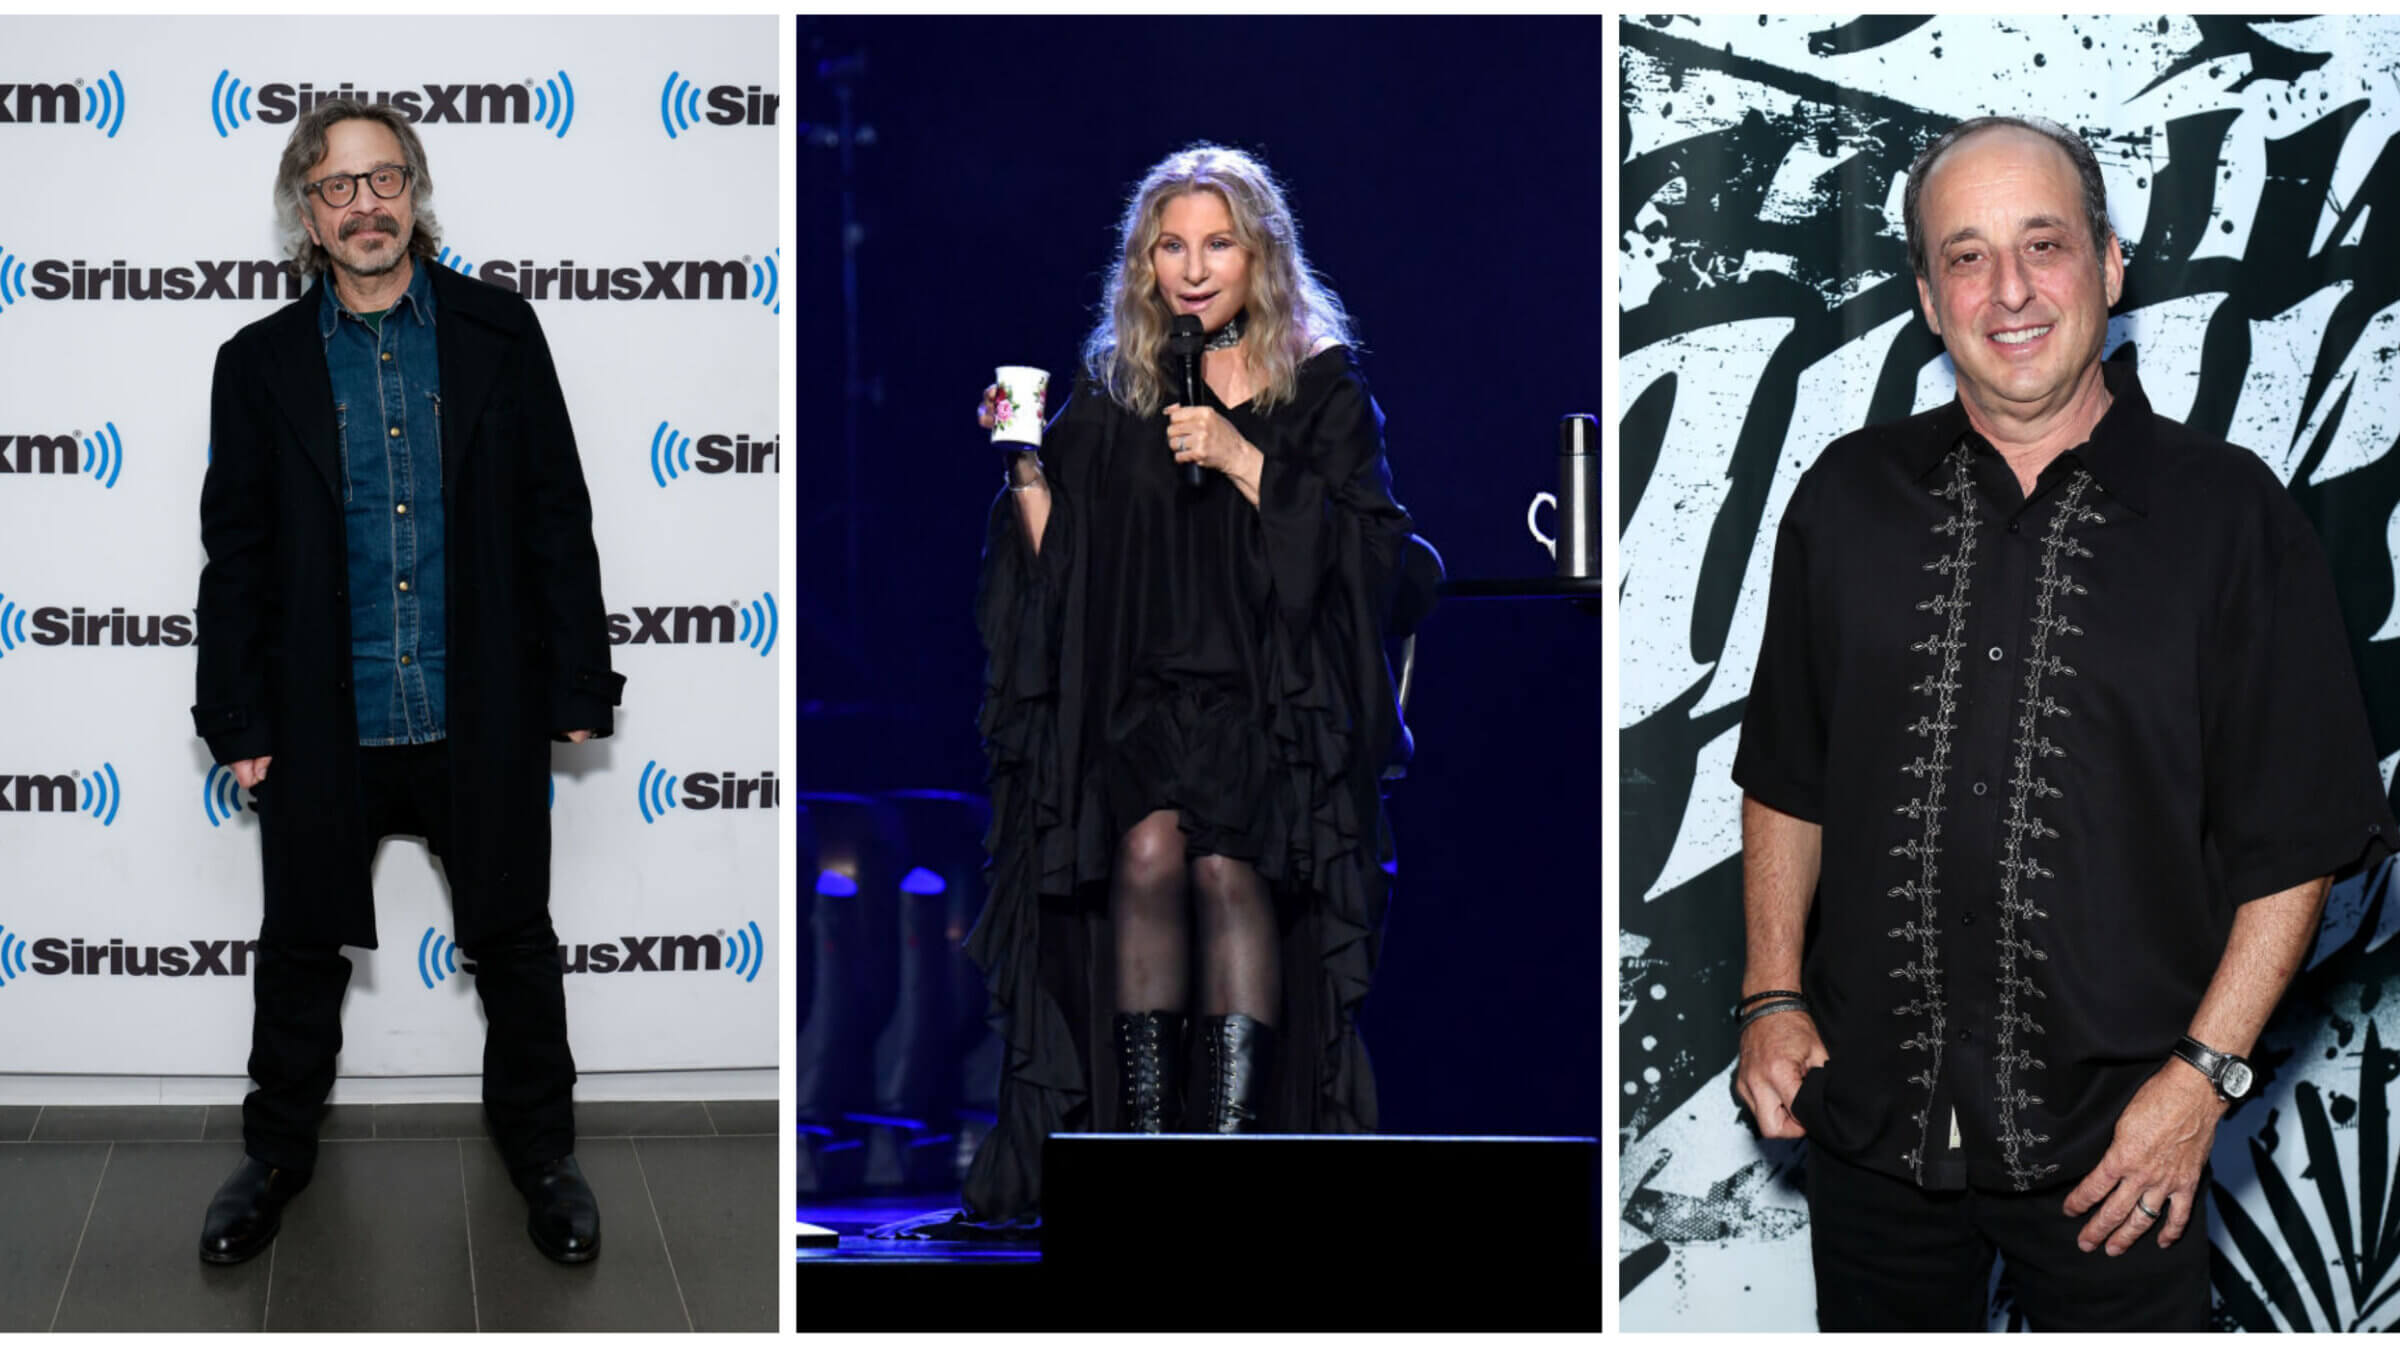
(2229, 1074)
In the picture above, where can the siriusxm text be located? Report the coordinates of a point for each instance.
(54, 626)
(63, 956)
(428, 103)
(40, 103)
(223, 279)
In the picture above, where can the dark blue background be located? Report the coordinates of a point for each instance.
(1447, 177)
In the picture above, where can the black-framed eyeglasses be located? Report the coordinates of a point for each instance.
(337, 189)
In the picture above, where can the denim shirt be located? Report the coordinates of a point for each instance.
(387, 403)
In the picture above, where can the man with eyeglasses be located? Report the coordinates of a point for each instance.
(400, 610)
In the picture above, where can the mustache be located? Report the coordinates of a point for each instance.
(379, 221)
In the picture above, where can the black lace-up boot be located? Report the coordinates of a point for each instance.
(1239, 1053)
(1150, 1071)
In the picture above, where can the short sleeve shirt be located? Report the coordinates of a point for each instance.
(2054, 740)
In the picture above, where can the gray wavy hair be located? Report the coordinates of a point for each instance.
(307, 146)
(1291, 308)
(2087, 171)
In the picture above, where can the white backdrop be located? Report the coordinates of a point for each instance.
(645, 147)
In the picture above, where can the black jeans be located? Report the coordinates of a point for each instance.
(1891, 1257)
(528, 1072)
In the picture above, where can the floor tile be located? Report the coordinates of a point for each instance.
(748, 1117)
(16, 1123)
(629, 1287)
(429, 1120)
(46, 1195)
(377, 1242)
(340, 1122)
(715, 1200)
(140, 1268)
(121, 1123)
(604, 1120)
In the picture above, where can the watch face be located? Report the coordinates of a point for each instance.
(2236, 1080)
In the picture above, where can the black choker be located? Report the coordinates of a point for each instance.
(1229, 335)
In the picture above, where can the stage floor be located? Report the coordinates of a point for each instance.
(867, 1284)
(410, 1224)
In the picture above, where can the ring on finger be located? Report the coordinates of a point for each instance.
(2155, 1214)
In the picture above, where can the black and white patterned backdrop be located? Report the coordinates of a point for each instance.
(2253, 169)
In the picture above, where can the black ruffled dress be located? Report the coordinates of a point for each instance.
(1178, 648)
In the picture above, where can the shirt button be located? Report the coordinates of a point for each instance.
(1965, 1035)
(404, 658)
(1966, 921)
(2012, 525)
(388, 356)
(402, 510)
(1994, 653)
(395, 431)
(404, 586)
(1979, 788)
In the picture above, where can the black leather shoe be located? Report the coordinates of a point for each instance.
(1150, 1071)
(561, 1214)
(247, 1212)
(1239, 1053)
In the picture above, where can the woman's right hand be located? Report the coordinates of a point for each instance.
(984, 415)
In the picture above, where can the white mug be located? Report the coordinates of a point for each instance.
(1541, 499)
(1017, 416)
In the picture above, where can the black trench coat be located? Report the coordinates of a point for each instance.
(527, 632)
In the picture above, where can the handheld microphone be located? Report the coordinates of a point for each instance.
(1183, 343)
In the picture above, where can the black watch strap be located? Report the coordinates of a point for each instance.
(2229, 1074)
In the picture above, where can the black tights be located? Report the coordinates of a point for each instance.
(1240, 970)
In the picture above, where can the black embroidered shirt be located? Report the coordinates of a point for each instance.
(2054, 741)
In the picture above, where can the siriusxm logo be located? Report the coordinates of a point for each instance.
(51, 626)
(220, 795)
(671, 454)
(680, 101)
(100, 455)
(546, 103)
(652, 279)
(99, 104)
(75, 956)
(754, 624)
(96, 793)
(727, 791)
(220, 279)
(742, 951)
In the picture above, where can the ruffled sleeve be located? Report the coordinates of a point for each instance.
(1022, 605)
(1325, 485)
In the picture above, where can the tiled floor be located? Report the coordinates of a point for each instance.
(409, 1224)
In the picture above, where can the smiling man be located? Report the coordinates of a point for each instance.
(2053, 745)
(401, 609)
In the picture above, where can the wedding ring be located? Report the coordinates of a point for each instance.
(2154, 1214)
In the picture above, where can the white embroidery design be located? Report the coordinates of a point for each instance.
(1932, 772)
(2017, 864)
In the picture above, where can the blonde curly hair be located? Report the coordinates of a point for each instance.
(1292, 311)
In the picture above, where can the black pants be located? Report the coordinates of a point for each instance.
(528, 1073)
(1891, 1257)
